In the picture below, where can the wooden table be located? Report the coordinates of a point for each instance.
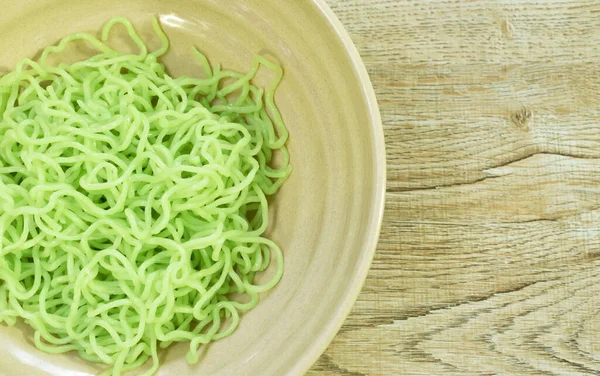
(489, 258)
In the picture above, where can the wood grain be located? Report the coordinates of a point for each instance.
(489, 258)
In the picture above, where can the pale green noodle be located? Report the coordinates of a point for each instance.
(133, 204)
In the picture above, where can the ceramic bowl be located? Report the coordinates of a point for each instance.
(326, 217)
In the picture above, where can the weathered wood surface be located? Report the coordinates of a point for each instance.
(489, 258)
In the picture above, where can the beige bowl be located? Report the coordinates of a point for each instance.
(326, 217)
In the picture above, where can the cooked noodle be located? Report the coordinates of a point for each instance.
(133, 204)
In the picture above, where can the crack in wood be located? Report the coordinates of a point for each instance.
(490, 177)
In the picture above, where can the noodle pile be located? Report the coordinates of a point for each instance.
(133, 204)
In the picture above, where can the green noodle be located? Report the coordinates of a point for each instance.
(133, 204)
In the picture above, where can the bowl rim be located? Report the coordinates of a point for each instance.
(304, 362)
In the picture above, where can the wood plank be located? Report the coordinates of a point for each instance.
(489, 257)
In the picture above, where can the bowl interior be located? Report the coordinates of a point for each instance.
(325, 218)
